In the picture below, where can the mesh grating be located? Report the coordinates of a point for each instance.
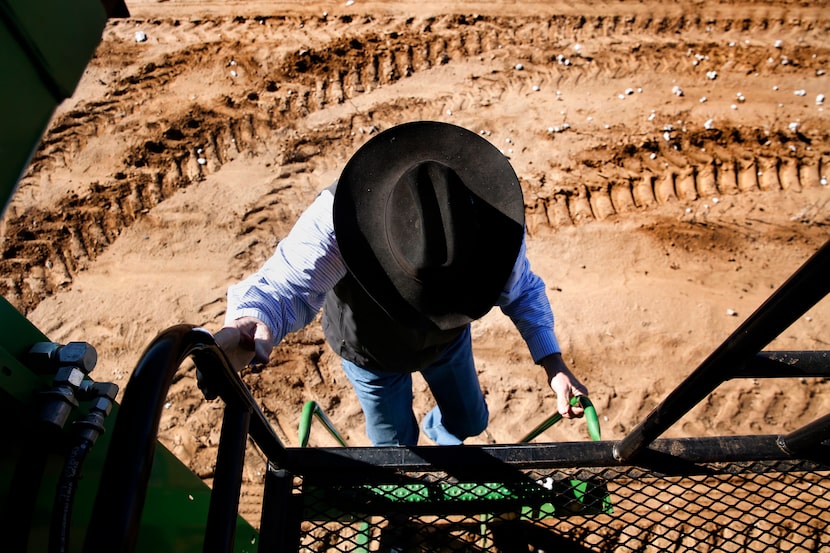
(757, 506)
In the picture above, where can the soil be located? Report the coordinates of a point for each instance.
(674, 160)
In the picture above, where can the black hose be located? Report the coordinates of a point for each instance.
(65, 496)
(86, 432)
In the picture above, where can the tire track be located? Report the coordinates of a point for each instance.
(45, 248)
(339, 70)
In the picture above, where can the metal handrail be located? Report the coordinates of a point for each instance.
(312, 409)
(126, 472)
(124, 479)
(805, 288)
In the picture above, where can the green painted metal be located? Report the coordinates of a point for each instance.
(310, 410)
(46, 46)
(532, 500)
(528, 499)
(177, 501)
(548, 499)
(17, 335)
(591, 419)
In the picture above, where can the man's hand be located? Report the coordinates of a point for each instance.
(564, 384)
(246, 341)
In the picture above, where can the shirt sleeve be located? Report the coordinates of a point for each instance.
(525, 301)
(289, 289)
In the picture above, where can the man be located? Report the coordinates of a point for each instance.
(422, 234)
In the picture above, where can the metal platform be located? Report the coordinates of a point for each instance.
(641, 493)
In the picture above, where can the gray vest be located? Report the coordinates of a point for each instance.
(360, 331)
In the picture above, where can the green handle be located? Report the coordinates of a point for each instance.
(590, 418)
(310, 410)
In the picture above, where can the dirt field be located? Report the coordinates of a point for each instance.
(674, 159)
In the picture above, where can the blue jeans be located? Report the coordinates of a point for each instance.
(386, 399)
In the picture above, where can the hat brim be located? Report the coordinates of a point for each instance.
(359, 214)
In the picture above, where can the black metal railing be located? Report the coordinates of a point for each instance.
(116, 516)
(641, 493)
(805, 288)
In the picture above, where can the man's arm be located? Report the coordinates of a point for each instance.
(525, 301)
(288, 291)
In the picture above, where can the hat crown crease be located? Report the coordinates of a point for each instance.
(423, 204)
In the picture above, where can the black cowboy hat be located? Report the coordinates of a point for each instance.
(429, 219)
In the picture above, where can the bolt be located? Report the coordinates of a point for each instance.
(106, 389)
(58, 402)
(92, 425)
(42, 357)
(70, 376)
(48, 357)
(91, 390)
(78, 354)
(102, 405)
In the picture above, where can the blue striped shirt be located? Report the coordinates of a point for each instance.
(290, 288)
